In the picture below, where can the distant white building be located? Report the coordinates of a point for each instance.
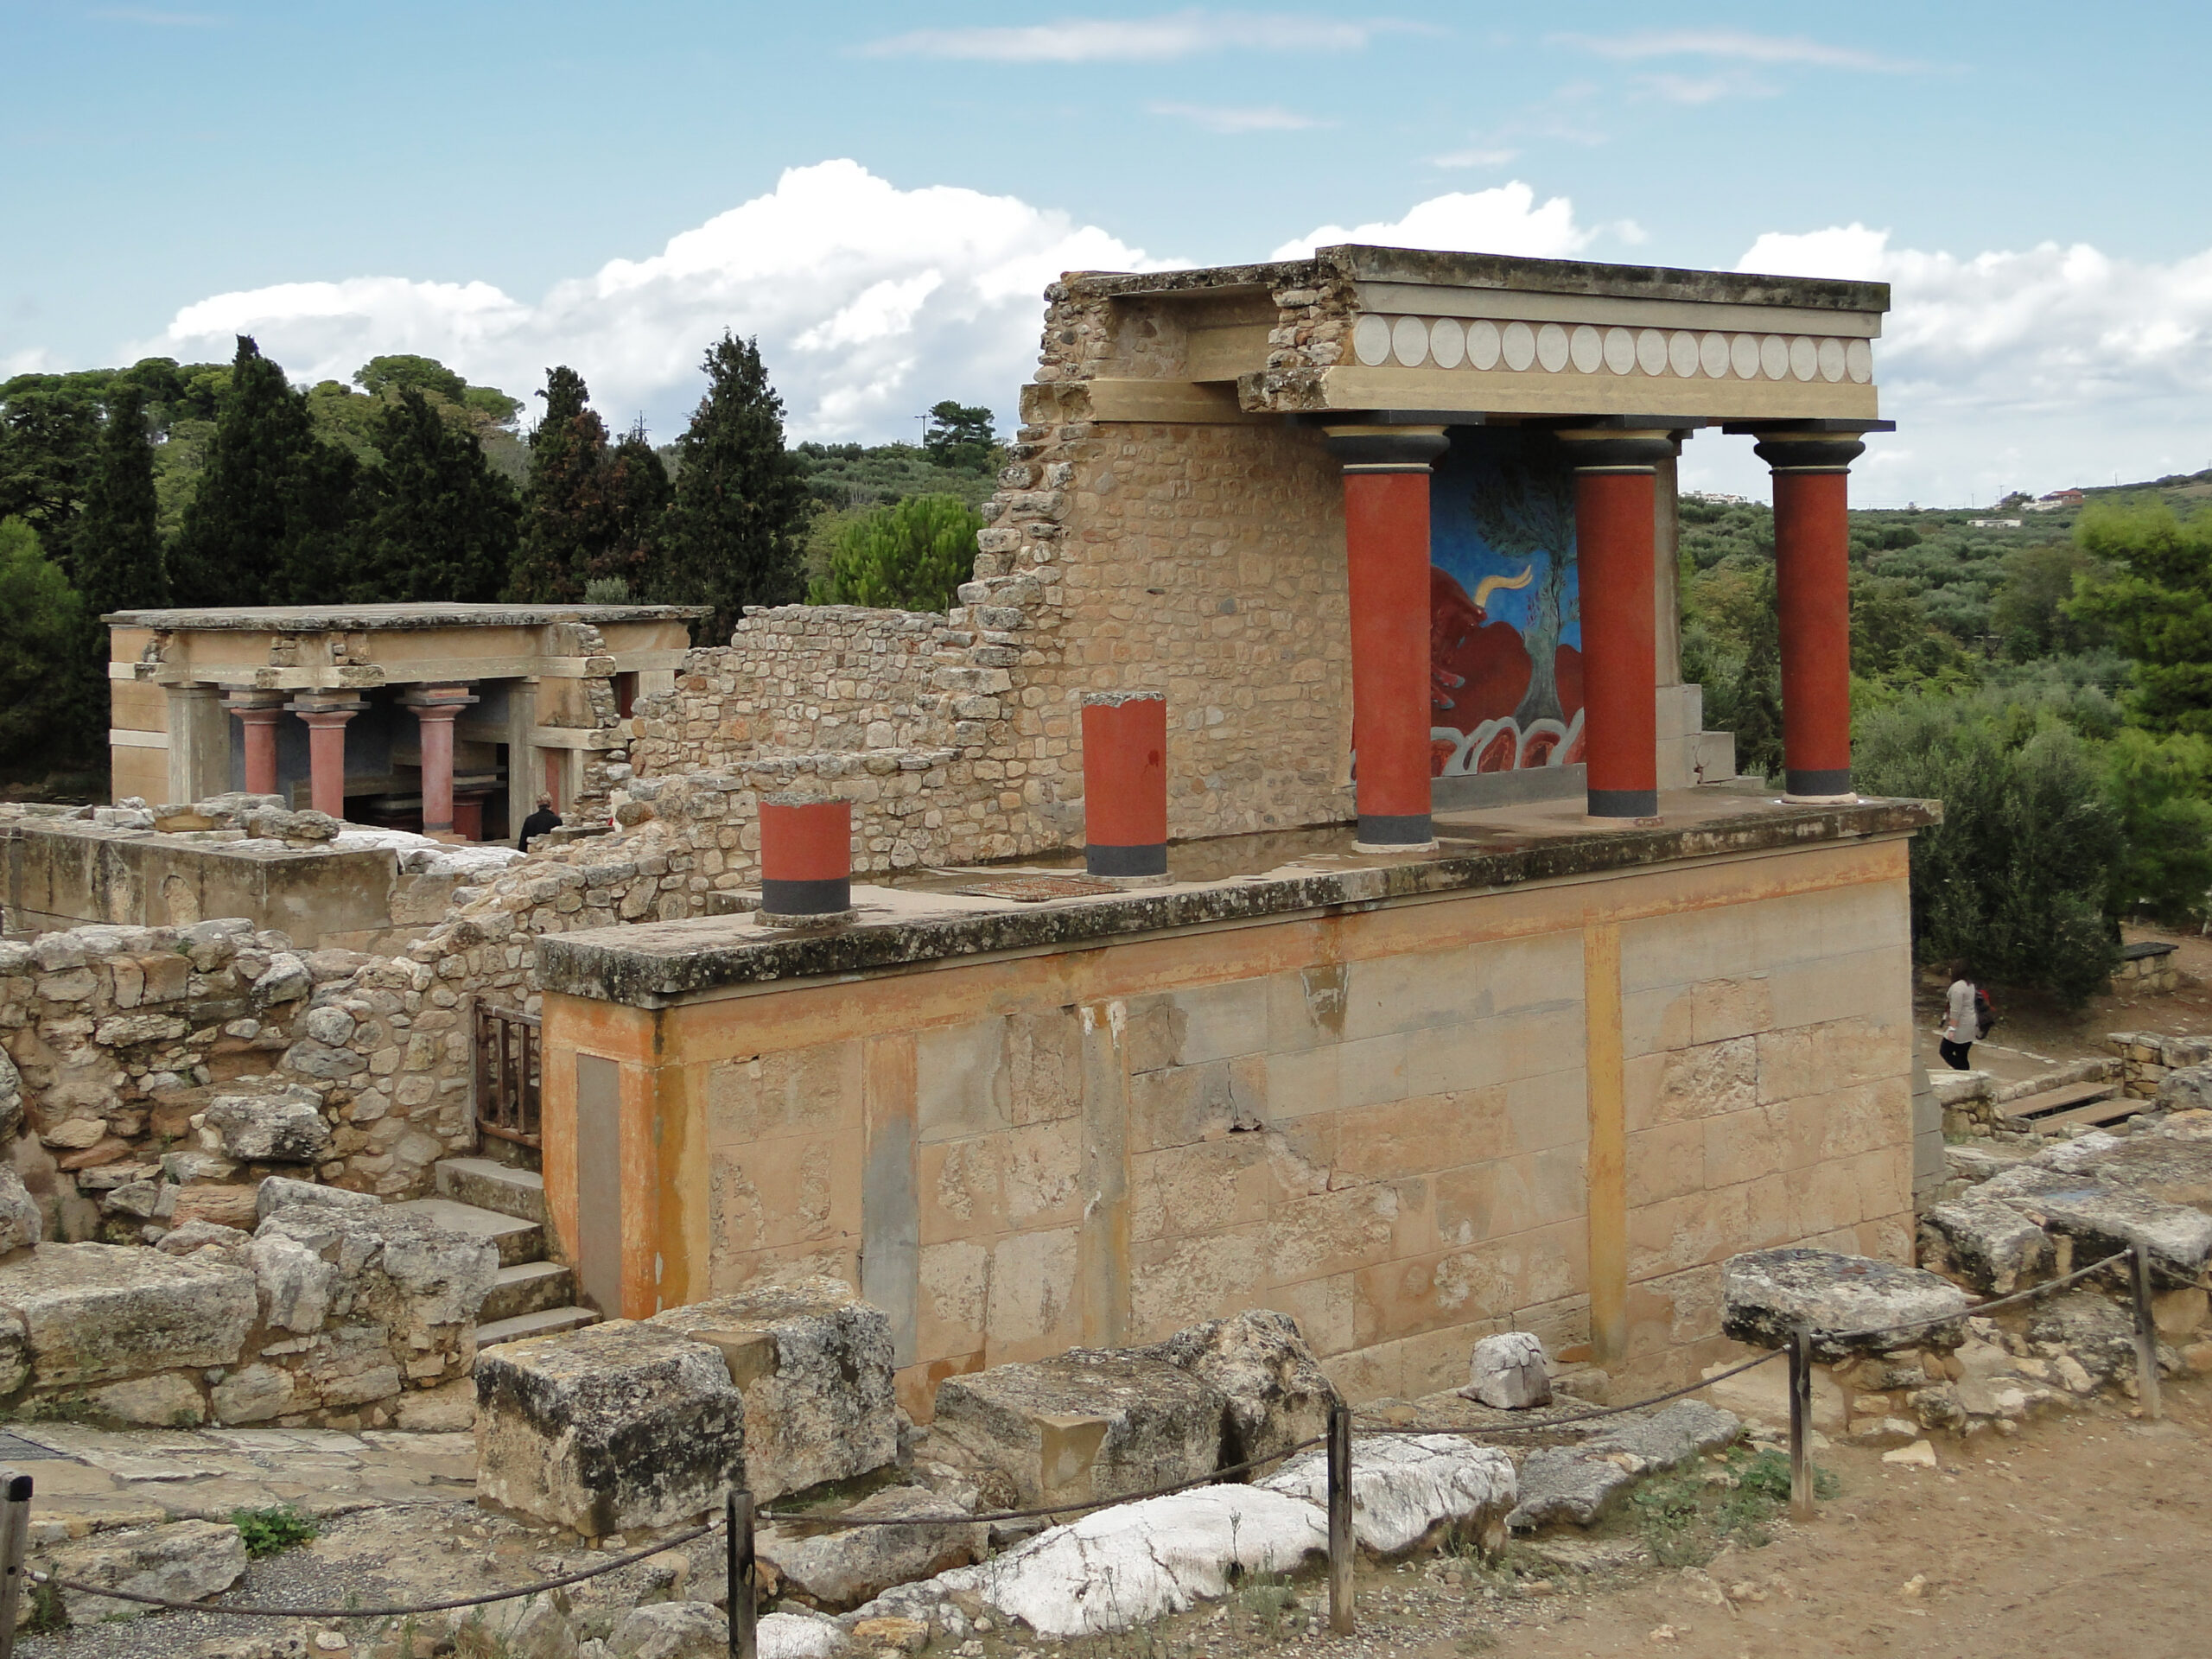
(1993, 523)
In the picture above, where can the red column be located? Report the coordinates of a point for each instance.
(327, 750)
(1615, 505)
(259, 712)
(1125, 783)
(436, 709)
(1812, 593)
(1386, 550)
(806, 860)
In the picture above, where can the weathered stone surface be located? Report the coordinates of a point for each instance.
(1278, 1395)
(844, 1567)
(20, 1222)
(167, 1401)
(227, 1243)
(793, 1636)
(541, 1632)
(814, 1364)
(2186, 1088)
(1853, 1304)
(1581, 1483)
(1509, 1372)
(2096, 1331)
(670, 1629)
(186, 1561)
(1992, 1244)
(103, 1312)
(11, 1098)
(284, 1125)
(1408, 1490)
(449, 1408)
(1114, 1569)
(15, 1351)
(1088, 1424)
(615, 1425)
(395, 1268)
(279, 1190)
(294, 1281)
(2106, 1220)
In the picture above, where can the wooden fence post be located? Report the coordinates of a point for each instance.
(1340, 1536)
(742, 1611)
(2147, 1333)
(1801, 1423)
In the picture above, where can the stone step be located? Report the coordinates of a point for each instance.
(492, 1185)
(546, 1322)
(527, 1287)
(2097, 1114)
(517, 1241)
(2042, 1104)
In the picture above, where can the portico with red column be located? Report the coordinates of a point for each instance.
(327, 714)
(436, 709)
(1386, 472)
(1811, 462)
(259, 712)
(1616, 504)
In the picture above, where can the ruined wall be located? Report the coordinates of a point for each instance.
(1378, 1122)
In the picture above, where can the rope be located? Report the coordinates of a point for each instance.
(592, 1572)
(1593, 1414)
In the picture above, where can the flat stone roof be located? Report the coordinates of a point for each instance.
(364, 618)
(653, 964)
(1362, 263)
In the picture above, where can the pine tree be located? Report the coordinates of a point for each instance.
(910, 555)
(268, 524)
(637, 495)
(566, 522)
(741, 511)
(438, 523)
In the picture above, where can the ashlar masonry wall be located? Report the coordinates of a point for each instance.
(1406, 1126)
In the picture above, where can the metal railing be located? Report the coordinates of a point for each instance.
(510, 1069)
(737, 1522)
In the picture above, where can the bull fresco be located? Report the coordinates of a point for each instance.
(1505, 628)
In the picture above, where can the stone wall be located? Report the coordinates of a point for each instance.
(2146, 1057)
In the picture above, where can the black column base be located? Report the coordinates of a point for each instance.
(1624, 803)
(806, 898)
(1101, 861)
(1835, 781)
(1395, 830)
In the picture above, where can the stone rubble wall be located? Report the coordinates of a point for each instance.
(2146, 1057)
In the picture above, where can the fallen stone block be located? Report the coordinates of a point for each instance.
(1114, 1569)
(185, 1560)
(1278, 1395)
(1508, 1372)
(1410, 1489)
(1582, 1484)
(276, 1191)
(2186, 1088)
(1992, 1244)
(394, 1269)
(1853, 1304)
(606, 1428)
(670, 1629)
(105, 1313)
(282, 1126)
(842, 1567)
(1089, 1424)
(814, 1364)
(792, 1635)
(2105, 1220)
(20, 1225)
(171, 1400)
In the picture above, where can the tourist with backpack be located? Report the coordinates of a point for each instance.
(1967, 1016)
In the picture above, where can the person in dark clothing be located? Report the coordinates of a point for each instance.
(538, 823)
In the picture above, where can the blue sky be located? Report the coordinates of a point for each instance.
(515, 176)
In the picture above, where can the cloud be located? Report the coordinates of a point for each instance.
(2052, 365)
(1694, 90)
(1139, 40)
(1733, 43)
(870, 303)
(1474, 158)
(1216, 118)
(1506, 219)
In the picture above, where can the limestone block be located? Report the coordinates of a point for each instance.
(15, 1351)
(102, 1313)
(1409, 1490)
(285, 1126)
(2104, 1220)
(1992, 1244)
(294, 1282)
(11, 1098)
(843, 1568)
(1508, 1371)
(614, 1426)
(1278, 1395)
(185, 1560)
(279, 1190)
(395, 1270)
(169, 1401)
(285, 980)
(1087, 1424)
(1581, 1483)
(1766, 1295)
(814, 1363)
(21, 1223)
(255, 1394)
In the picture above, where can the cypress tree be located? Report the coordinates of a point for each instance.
(637, 495)
(268, 524)
(737, 527)
(118, 551)
(566, 523)
(438, 522)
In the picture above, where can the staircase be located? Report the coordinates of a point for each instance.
(532, 1297)
(2056, 1111)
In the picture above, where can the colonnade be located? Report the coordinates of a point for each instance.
(326, 715)
(1386, 484)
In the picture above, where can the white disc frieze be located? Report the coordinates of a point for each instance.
(1447, 342)
(1370, 340)
(1409, 341)
(1484, 345)
(1682, 354)
(1712, 356)
(1831, 359)
(1586, 349)
(1774, 357)
(1804, 358)
(1620, 350)
(1743, 356)
(1552, 348)
(1519, 346)
(1859, 361)
(1651, 352)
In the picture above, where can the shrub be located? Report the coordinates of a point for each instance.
(270, 1531)
(910, 555)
